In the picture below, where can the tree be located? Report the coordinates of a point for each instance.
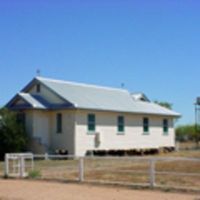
(185, 132)
(164, 104)
(188, 132)
(12, 133)
(196, 134)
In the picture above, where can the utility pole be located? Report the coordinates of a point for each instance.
(197, 119)
(197, 111)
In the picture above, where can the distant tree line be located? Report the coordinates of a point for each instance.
(164, 104)
(190, 132)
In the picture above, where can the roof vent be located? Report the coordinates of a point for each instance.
(140, 97)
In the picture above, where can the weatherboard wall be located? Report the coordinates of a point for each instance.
(76, 139)
(65, 139)
(132, 138)
(41, 126)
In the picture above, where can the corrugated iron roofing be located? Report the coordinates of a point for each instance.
(32, 100)
(84, 96)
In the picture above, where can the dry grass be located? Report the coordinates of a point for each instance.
(124, 170)
(1, 169)
(185, 153)
(138, 172)
(57, 169)
(189, 145)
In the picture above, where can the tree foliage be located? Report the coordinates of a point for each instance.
(12, 133)
(188, 132)
(185, 132)
(164, 104)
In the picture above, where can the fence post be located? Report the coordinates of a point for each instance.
(21, 166)
(81, 169)
(6, 172)
(152, 173)
(177, 146)
(46, 156)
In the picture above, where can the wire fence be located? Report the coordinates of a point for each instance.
(178, 173)
(57, 167)
(189, 145)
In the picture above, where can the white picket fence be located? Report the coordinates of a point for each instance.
(134, 171)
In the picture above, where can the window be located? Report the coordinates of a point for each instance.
(38, 88)
(21, 118)
(120, 124)
(59, 123)
(146, 125)
(165, 126)
(91, 122)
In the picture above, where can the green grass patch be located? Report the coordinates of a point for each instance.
(1, 168)
(34, 174)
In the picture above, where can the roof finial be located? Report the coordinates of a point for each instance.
(38, 72)
(122, 85)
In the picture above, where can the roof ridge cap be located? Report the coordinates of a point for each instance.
(23, 93)
(82, 84)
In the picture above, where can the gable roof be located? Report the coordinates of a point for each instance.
(32, 100)
(84, 96)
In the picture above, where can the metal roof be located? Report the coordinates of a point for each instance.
(32, 100)
(84, 96)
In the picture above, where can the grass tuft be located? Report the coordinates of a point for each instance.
(34, 174)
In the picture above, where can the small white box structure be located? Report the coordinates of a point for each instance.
(18, 164)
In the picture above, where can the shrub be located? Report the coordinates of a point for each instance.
(12, 133)
(34, 174)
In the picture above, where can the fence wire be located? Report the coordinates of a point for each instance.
(58, 168)
(112, 170)
(140, 171)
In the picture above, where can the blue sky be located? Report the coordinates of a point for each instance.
(150, 46)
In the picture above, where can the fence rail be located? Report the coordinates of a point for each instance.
(174, 172)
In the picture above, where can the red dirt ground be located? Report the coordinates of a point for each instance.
(36, 190)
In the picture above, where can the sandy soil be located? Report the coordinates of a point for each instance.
(36, 190)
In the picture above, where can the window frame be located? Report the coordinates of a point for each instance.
(91, 123)
(38, 88)
(165, 126)
(120, 125)
(21, 118)
(146, 126)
